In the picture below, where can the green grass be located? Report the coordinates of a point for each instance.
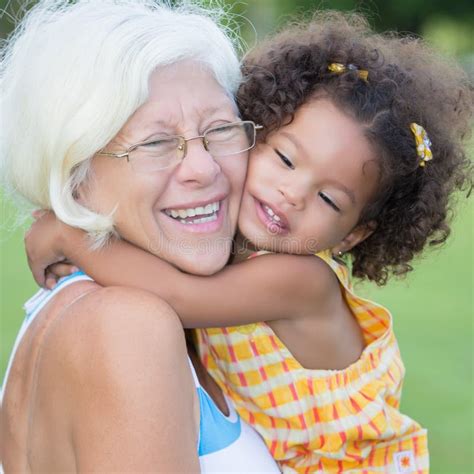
(433, 311)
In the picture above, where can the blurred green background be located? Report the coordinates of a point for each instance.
(432, 308)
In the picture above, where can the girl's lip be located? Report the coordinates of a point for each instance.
(276, 228)
(205, 227)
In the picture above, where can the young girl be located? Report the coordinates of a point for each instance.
(360, 152)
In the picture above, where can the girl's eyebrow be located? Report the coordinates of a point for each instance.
(350, 194)
(293, 140)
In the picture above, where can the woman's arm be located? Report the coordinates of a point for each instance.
(120, 378)
(270, 287)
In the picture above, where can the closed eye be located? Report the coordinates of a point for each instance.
(159, 142)
(329, 201)
(284, 159)
(160, 145)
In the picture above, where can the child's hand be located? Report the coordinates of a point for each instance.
(44, 251)
(58, 270)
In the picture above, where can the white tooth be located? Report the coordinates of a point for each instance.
(203, 210)
(277, 218)
(200, 220)
(218, 205)
(270, 211)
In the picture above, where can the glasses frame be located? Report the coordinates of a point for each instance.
(183, 143)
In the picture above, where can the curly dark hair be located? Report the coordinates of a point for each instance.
(408, 82)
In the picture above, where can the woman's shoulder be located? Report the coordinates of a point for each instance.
(85, 331)
(115, 305)
(104, 367)
(88, 320)
(96, 363)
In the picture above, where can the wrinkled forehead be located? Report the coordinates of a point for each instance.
(192, 77)
(182, 98)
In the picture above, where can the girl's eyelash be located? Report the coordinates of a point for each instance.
(285, 159)
(329, 201)
(290, 165)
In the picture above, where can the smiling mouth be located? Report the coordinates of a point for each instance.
(195, 215)
(271, 214)
(275, 223)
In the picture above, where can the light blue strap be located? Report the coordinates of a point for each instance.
(215, 429)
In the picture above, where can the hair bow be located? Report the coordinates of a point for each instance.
(339, 68)
(423, 143)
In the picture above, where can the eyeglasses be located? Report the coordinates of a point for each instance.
(160, 152)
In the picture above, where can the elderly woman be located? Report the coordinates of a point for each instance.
(118, 115)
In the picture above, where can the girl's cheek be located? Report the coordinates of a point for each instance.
(256, 170)
(247, 184)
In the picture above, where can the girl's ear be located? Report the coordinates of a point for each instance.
(355, 237)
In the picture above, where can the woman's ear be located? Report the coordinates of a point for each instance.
(355, 237)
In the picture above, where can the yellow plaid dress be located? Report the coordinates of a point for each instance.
(321, 420)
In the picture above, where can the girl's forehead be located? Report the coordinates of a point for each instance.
(321, 127)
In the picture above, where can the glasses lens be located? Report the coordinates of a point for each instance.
(230, 139)
(157, 154)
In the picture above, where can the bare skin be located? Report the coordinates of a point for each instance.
(108, 385)
(83, 404)
(318, 173)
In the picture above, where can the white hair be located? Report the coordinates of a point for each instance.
(73, 73)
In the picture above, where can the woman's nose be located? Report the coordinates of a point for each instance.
(198, 167)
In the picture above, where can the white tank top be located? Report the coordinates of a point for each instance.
(226, 443)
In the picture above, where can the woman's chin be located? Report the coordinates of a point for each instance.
(204, 264)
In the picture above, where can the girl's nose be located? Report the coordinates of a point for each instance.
(198, 167)
(293, 196)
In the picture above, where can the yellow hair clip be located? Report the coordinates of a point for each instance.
(423, 143)
(339, 68)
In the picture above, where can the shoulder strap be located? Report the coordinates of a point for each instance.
(193, 371)
(338, 266)
(34, 305)
(257, 254)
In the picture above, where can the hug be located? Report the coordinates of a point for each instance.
(236, 201)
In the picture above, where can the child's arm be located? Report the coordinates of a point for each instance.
(267, 288)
